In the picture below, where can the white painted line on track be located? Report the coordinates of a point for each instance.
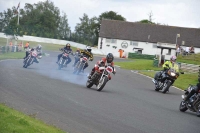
(151, 78)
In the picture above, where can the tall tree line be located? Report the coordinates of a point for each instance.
(43, 19)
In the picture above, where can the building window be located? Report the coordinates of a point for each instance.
(111, 40)
(169, 52)
(108, 40)
(133, 43)
(139, 51)
(154, 45)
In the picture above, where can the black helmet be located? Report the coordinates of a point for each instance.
(109, 57)
(67, 45)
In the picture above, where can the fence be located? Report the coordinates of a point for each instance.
(140, 56)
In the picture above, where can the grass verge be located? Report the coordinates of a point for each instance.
(138, 64)
(12, 121)
(190, 59)
(12, 55)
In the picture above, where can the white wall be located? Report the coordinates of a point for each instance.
(47, 40)
(147, 48)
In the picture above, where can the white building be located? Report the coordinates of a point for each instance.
(147, 39)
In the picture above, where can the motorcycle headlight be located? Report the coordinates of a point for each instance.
(173, 74)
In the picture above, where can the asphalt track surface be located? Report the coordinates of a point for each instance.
(127, 104)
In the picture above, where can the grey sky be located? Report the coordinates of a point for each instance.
(184, 13)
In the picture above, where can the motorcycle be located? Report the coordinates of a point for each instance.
(166, 79)
(30, 58)
(194, 102)
(80, 65)
(63, 60)
(100, 77)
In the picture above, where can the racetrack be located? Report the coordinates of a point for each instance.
(127, 104)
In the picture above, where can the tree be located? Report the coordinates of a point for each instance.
(64, 29)
(42, 19)
(85, 30)
(107, 15)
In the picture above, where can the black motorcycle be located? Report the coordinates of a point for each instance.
(80, 65)
(63, 60)
(166, 79)
(193, 104)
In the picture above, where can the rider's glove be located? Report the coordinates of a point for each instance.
(165, 68)
(114, 72)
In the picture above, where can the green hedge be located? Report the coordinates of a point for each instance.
(140, 56)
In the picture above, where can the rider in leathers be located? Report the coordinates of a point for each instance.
(108, 61)
(171, 64)
(85, 53)
(68, 50)
(193, 91)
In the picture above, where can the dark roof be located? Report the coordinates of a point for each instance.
(158, 33)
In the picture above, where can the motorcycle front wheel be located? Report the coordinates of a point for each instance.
(183, 106)
(102, 83)
(166, 87)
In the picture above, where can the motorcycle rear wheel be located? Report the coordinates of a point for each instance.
(89, 84)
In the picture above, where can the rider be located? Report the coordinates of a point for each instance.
(39, 49)
(67, 49)
(168, 64)
(108, 61)
(85, 53)
(29, 52)
(192, 92)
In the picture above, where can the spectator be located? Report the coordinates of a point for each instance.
(10, 47)
(27, 45)
(177, 50)
(187, 50)
(191, 49)
(20, 46)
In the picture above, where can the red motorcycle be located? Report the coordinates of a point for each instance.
(63, 60)
(100, 77)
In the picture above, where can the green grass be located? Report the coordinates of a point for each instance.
(138, 64)
(12, 121)
(190, 59)
(182, 82)
(12, 55)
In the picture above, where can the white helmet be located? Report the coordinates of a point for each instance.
(173, 59)
(39, 46)
(88, 48)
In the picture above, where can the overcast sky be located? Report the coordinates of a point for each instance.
(183, 13)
